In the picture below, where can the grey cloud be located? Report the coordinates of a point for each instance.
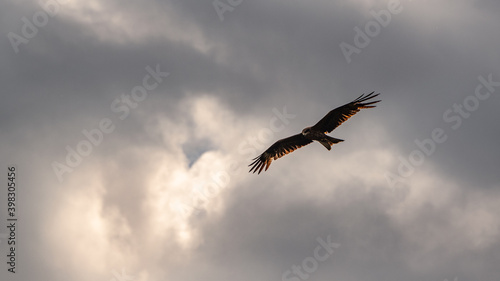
(114, 211)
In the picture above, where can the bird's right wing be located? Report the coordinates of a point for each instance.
(277, 150)
(340, 114)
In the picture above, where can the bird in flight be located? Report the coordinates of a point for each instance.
(317, 133)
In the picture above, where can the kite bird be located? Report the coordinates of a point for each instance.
(315, 133)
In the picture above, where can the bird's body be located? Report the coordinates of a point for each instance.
(318, 133)
(315, 135)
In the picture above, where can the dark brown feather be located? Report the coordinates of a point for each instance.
(277, 150)
(340, 114)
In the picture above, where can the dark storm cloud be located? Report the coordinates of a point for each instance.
(439, 223)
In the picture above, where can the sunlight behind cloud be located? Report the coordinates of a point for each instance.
(177, 192)
(85, 234)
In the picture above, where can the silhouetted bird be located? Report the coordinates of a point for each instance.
(315, 133)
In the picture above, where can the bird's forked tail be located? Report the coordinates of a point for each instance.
(328, 141)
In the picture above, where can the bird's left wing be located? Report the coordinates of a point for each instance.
(277, 150)
(340, 114)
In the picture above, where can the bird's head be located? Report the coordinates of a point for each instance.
(306, 131)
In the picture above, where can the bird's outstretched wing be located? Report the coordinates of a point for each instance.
(340, 114)
(277, 150)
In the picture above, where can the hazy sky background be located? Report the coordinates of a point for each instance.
(165, 194)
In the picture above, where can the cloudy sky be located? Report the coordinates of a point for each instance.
(131, 124)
